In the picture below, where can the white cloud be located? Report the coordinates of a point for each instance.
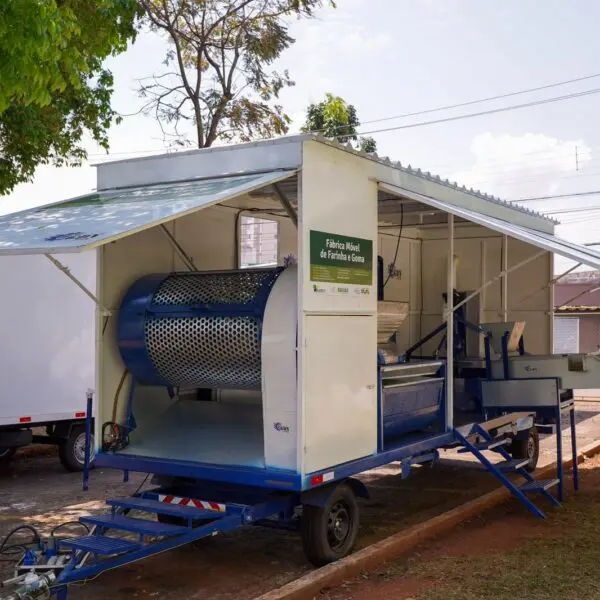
(522, 166)
(534, 165)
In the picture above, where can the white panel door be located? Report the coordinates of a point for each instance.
(340, 407)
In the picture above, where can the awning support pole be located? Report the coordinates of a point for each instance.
(289, 209)
(551, 282)
(189, 263)
(450, 328)
(505, 278)
(589, 290)
(501, 274)
(61, 267)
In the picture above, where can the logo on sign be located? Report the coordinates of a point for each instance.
(281, 427)
(530, 369)
(71, 236)
(317, 289)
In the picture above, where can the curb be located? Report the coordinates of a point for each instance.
(310, 585)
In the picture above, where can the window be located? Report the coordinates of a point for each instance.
(566, 335)
(259, 242)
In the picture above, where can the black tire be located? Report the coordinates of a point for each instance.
(72, 450)
(329, 532)
(6, 455)
(527, 448)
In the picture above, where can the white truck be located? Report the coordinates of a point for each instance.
(44, 378)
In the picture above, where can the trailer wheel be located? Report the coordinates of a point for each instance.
(329, 532)
(72, 450)
(527, 448)
(6, 454)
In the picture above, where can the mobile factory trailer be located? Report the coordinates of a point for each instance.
(254, 396)
(47, 358)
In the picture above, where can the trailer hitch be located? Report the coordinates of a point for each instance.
(33, 586)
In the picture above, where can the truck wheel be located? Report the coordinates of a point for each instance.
(329, 532)
(72, 450)
(527, 448)
(6, 454)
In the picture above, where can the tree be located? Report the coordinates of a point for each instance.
(219, 80)
(53, 87)
(336, 119)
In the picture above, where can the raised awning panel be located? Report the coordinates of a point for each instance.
(545, 241)
(90, 221)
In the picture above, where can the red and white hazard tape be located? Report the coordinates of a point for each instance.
(193, 502)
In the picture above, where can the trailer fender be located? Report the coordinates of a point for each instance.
(320, 496)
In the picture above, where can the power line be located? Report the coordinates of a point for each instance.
(421, 112)
(483, 113)
(558, 196)
(577, 209)
(488, 99)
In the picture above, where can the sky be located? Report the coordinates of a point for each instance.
(390, 57)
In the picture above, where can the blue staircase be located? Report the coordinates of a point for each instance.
(476, 439)
(100, 543)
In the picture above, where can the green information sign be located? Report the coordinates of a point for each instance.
(340, 259)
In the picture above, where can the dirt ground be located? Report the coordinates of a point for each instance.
(246, 563)
(501, 555)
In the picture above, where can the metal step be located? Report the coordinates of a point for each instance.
(163, 508)
(488, 445)
(141, 526)
(514, 464)
(100, 544)
(538, 486)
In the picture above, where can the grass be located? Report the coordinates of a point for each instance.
(562, 563)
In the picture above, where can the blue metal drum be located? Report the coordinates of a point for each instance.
(196, 330)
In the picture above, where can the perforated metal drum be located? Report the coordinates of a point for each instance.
(198, 330)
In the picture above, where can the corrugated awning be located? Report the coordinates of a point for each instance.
(90, 221)
(545, 241)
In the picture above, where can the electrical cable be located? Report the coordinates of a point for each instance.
(117, 394)
(558, 196)
(420, 112)
(15, 551)
(141, 485)
(483, 113)
(392, 266)
(488, 99)
(30, 528)
(66, 523)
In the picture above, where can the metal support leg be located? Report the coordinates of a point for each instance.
(450, 285)
(505, 363)
(88, 435)
(125, 476)
(559, 454)
(574, 448)
(488, 356)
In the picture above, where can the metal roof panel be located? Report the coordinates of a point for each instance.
(545, 241)
(90, 221)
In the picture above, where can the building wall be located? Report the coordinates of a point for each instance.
(589, 333)
(478, 259)
(563, 292)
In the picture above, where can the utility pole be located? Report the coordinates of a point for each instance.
(576, 159)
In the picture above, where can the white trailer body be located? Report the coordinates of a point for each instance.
(175, 213)
(47, 328)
